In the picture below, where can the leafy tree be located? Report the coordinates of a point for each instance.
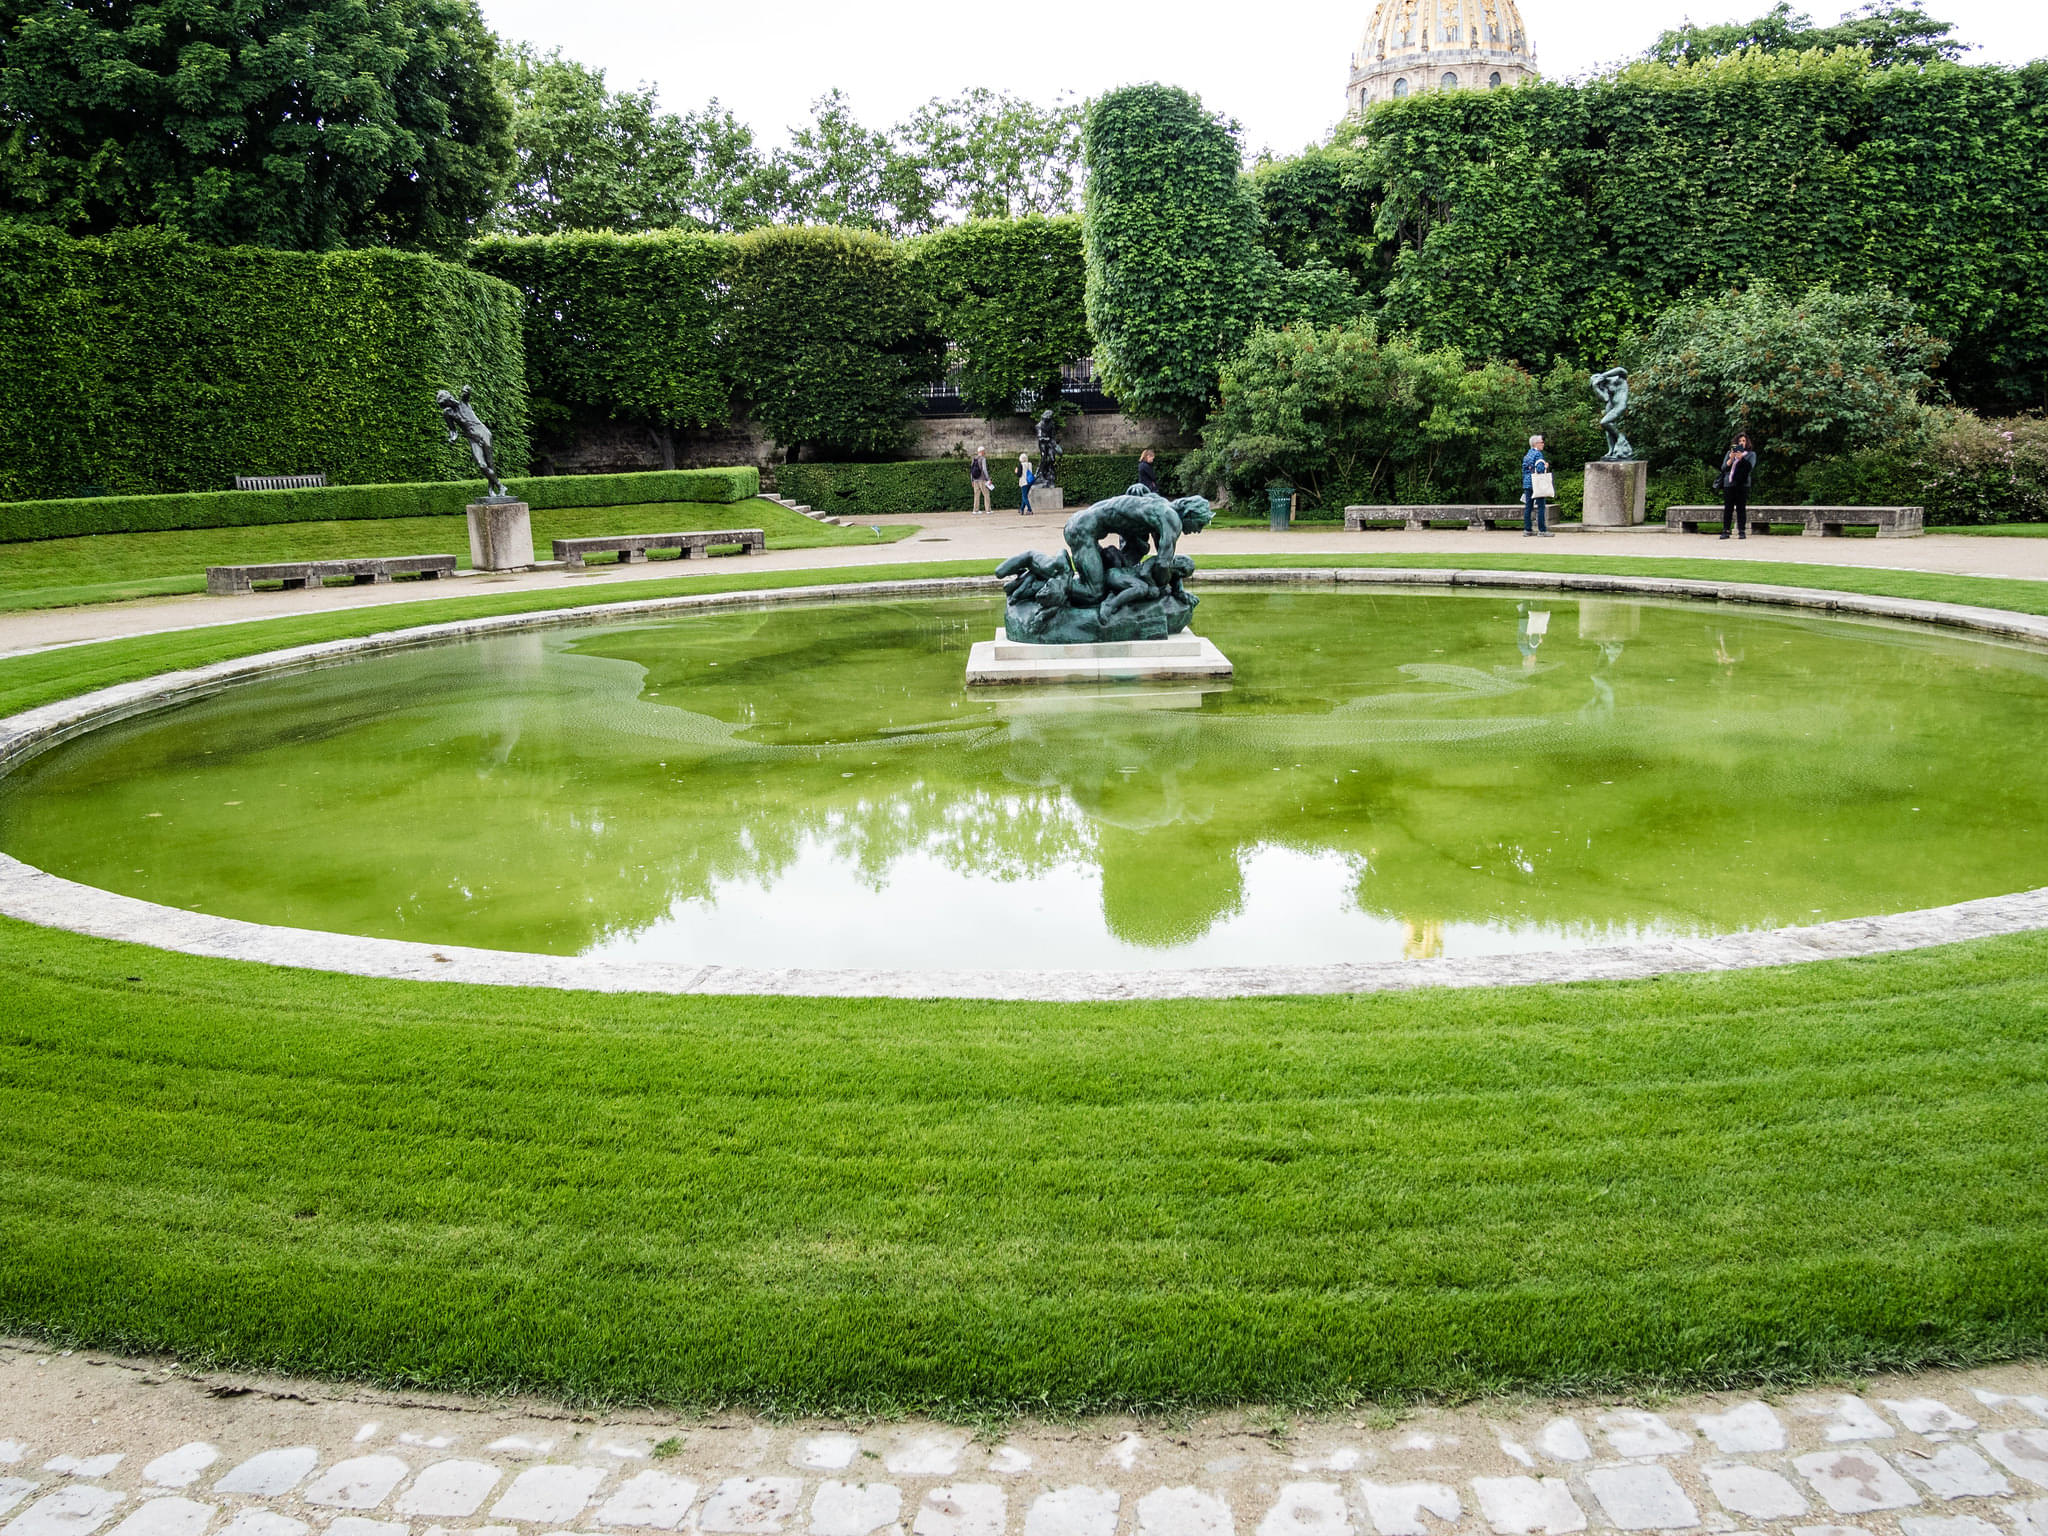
(1010, 297)
(1891, 33)
(1807, 376)
(306, 124)
(1342, 414)
(591, 158)
(1175, 274)
(827, 332)
(839, 172)
(990, 156)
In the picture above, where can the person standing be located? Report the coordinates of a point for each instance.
(1534, 507)
(984, 486)
(1148, 471)
(1025, 477)
(1738, 472)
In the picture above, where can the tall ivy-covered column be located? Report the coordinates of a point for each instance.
(1176, 273)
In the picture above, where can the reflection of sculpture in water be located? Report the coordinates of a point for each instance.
(1611, 389)
(1107, 587)
(464, 425)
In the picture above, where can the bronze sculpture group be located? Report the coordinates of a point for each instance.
(1121, 576)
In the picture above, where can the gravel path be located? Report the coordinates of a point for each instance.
(960, 536)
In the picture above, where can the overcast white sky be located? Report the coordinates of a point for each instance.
(1277, 66)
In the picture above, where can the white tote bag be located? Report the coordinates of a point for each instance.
(1543, 486)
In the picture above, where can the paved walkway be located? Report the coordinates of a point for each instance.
(97, 1447)
(960, 536)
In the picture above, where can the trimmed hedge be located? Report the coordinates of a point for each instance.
(1558, 220)
(1010, 297)
(141, 363)
(941, 485)
(827, 333)
(340, 503)
(620, 325)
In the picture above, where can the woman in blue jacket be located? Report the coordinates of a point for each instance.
(1533, 506)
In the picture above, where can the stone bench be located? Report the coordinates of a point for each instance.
(280, 482)
(632, 548)
(1821, 522)
(1412, 518)
(225, 579)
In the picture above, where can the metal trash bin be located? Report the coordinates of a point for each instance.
(1279, 506)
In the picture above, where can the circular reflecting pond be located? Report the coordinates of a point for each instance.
(1390, 774)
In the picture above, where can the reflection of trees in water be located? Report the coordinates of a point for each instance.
(537, 792)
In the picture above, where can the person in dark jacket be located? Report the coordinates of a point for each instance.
(1148, 471)
(1738, 472)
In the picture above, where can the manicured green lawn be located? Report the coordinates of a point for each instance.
(62, 573)
(961, 1207)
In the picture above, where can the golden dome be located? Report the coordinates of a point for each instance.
(1413, 46)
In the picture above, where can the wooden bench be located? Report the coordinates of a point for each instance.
(1820, 522)
(632, 548)
(280, 482)
(1413, 518)
(313, 573)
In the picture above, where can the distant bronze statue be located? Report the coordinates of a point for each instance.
(1611, 389)
(464, 425)
(1048, 449)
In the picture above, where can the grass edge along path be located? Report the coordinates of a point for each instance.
(51, 573)
(964, 1208)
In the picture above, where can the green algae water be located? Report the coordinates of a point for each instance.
(1389, 774)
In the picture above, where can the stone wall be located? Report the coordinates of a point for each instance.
(614, 447)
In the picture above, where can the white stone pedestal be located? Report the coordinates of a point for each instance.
(500, 536)
(1616, 493)
(1048, 498)
(1003, 660)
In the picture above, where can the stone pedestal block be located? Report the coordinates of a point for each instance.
(500, 536)
(1048, 498)
(1185, 655)
(1616, 493)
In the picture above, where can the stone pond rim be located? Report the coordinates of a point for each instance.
(37, 897)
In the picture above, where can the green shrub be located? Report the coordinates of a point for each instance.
(1344, 417)
(941, 485)
(1959, 468)
(1806, 377)
(142, 362)
(241, 509)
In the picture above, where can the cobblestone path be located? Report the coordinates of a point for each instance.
(91, 1446)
